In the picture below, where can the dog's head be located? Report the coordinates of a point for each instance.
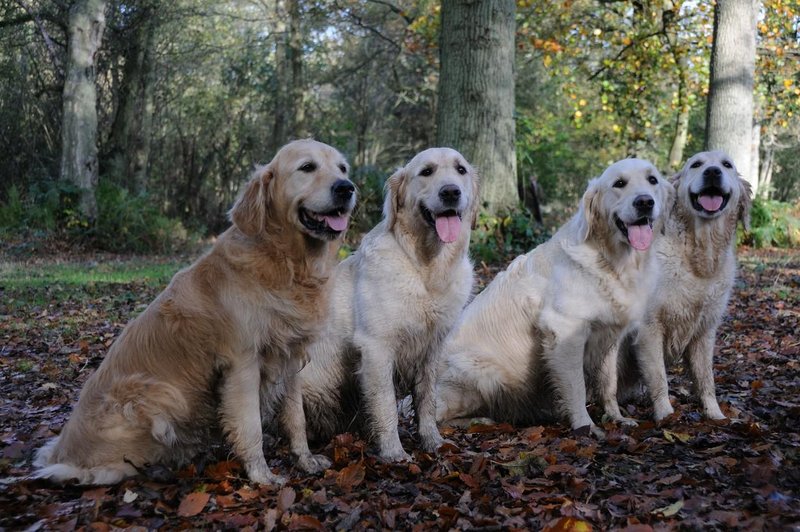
(626, 204)
(438, 188)
(709, 186)
(305, 186)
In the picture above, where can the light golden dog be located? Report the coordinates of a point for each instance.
(522, 347)
(698, 263)
(239, 311)
(392, 304)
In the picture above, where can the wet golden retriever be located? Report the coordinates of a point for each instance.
(239, 311)
(698, 263)
(522, 347)
(392, 304)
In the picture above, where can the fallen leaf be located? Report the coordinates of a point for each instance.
(351, 476)
(669, 511)
(286, 498)
(193, 504)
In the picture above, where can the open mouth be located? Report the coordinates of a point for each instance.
(325, 225)
(447, 223)
(639, 233)
(709, 200)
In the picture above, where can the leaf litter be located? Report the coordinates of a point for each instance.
(685, 473)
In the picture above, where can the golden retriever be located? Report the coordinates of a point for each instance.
(521, 348)
(698, 263)
(239, 311)
(392, 304)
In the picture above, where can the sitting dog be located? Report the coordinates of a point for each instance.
(393, 302)
(194, 357)
(522, 347)
(698, 263)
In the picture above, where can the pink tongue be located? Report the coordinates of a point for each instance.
(337, 223)
(640, 236)
(710, 203)
(448, 227)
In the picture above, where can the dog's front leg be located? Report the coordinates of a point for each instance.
(700, 355)
(241, 417)
(377, 385)
(565, 362)
(609, 374)
(650, 355)
(425, 401)
(294, 423)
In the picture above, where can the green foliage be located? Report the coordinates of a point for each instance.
(498, 239)
(127, 222)
(773, 223)
(369, 208)
(124, 222)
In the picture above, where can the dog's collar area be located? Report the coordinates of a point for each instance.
(317, 222)
(717, 199)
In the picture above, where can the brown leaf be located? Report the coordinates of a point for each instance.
(286, 498)
(305, 522)
(569, 524)
(193, 504)
(222, 470)
(351, 476)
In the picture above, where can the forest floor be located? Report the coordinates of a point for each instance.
(58, 315)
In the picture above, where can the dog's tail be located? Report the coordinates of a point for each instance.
(62, 472)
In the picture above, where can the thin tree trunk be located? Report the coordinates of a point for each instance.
(729, 120)
(79, 128)
(475, 113)
(131, 130)
(280, 124)
(294, 52)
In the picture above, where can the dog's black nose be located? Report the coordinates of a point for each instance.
(712, 176)
(343, 189)
(449, 194)
(644, 203)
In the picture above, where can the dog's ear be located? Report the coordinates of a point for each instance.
(249, 213)
(745, 202)
(394, 193)
(589, 210)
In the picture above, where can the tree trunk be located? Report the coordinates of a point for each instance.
(729, 120)
(294, 52)
(475, 113)
(131, 131)
(280, 124)
(79, 127)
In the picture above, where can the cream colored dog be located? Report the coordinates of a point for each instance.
(698, 263)
(393, 302)
(522, 347)
(238, 312)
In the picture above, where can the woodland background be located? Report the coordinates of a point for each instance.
(190, 95)
(185, 97)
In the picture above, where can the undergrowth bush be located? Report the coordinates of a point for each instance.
(773, 223)
(125, 222)
(498, 239)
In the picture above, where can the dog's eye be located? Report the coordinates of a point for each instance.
(619, 183)
(308, 167)
(426, 171)
(343, 168)
(652, 179)
(461, 170)
(696, 164)
(727, 164)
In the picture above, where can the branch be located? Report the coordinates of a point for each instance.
(46, 36)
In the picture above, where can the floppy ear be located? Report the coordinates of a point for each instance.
(589, 210)
(249, 213)
(395, 189)
(745, 201)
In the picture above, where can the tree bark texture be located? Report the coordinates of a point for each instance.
(79, 126)
(729, 120)
(475, 112)
(130, 137)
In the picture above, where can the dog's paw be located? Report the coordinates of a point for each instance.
(662, 410)
(714, 412)
(597, 432)
(394, 455)
(313, 463)
(260, 474)
(432, 443)
(626, 421)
